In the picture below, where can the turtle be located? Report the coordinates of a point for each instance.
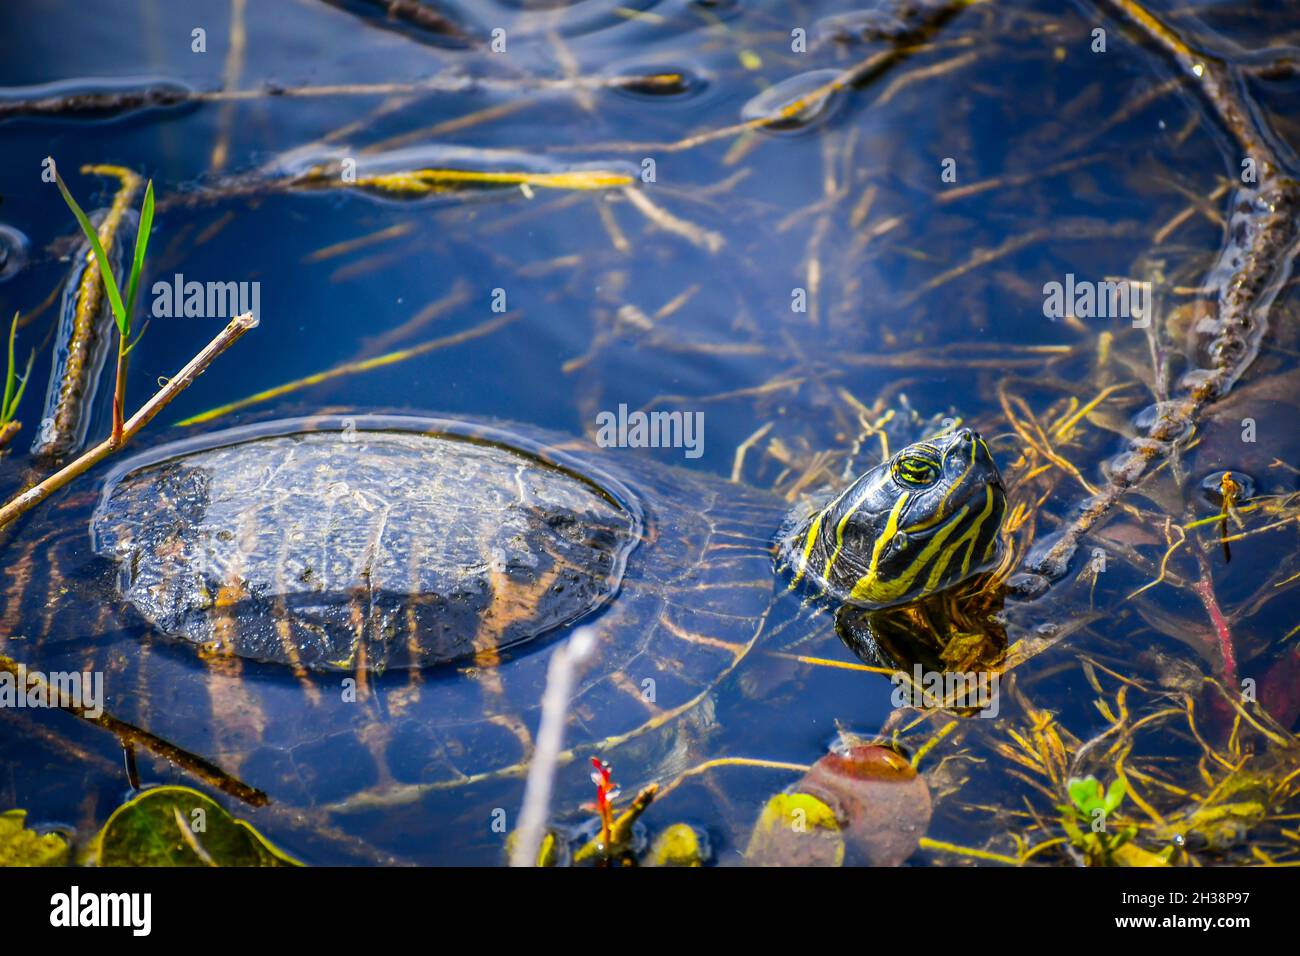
(421, 567)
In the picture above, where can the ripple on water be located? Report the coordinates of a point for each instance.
(95, 96)
(538, 19)
(659, 81)
(1212, 486)
(780, 106)
(1164, 422)
(13, 252)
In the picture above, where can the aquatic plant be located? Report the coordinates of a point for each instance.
(606, 790)
(1086, 815)
(121, 309)
(123, 428)
(615, 839)
(15, 385)
(181, 826)
(21, 846)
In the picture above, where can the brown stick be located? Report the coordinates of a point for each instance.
(1260, 259)
(131, 735)
(448, 82)
(7, 432)
(1211, 77)
(177, 384)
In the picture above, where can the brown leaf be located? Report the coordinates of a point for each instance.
(882, 804)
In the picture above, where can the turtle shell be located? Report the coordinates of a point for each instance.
(361, 549)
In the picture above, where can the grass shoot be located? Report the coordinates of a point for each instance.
(15, 385)
(122, 309)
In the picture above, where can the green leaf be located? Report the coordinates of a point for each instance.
(141, 243)
(1114, 795)
(1085, 794)
(6, 404)
(22, 387)
(795, 829)
(22, 847)
(179, 826)
(7, 411)
(136, 341)
(679, 845)
(105, 269)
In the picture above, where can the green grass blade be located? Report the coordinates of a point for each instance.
(105, 270)
(141, 243)
(22, 384)
(9, 373)
(9, 405)
(136, 341)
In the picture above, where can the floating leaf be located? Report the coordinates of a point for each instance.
(22, 847)
(796, 829)
(881, 803)
(177, 826)
(679, 845)
(1130, 854)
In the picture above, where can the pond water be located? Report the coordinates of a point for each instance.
(625, 217)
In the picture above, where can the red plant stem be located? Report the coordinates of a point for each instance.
(119, 392)
(1204, 589)
(603, 787)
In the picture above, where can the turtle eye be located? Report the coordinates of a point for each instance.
(916, 471)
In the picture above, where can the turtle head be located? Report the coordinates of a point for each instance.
(920, 522)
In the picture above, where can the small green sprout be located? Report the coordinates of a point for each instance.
(15, 384)
(1087, 796)
(1092, 806)
(121, 309)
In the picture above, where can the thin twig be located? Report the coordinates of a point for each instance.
(168, 95)
(161, 399)
(352, 368)
(132, 736)
(560, 678)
